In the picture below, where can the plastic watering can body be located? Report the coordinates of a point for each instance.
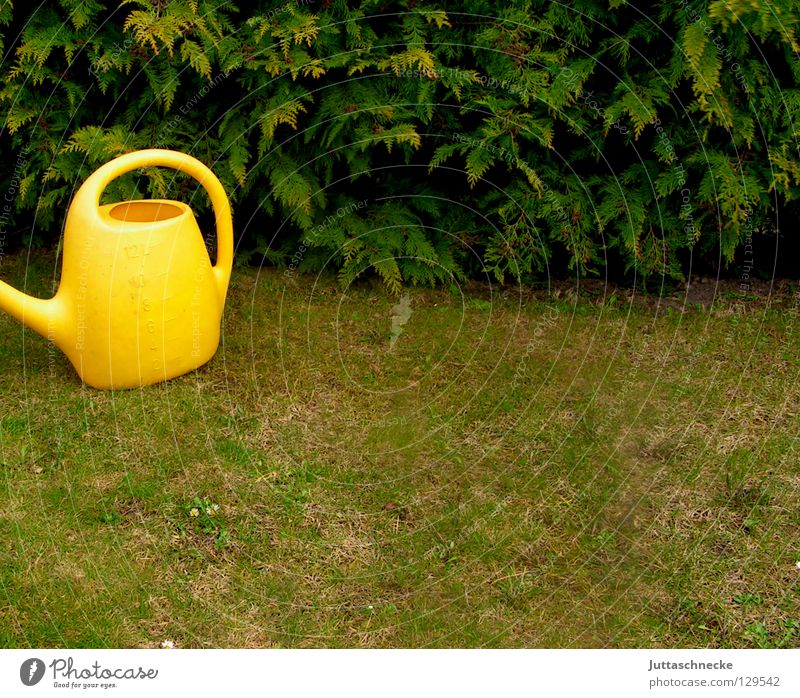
(139, 301)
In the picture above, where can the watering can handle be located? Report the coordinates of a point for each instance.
(94, 186)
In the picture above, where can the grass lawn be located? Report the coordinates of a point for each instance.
(502, 470)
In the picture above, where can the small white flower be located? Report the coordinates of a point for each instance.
(371, 607)
(168, 645)
(797, 564)
(194, 512)
(210, 511)
(215, 507)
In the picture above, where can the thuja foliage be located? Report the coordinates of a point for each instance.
(516, 139)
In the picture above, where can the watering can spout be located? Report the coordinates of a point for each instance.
(42, 316)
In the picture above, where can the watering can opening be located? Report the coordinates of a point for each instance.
(144, 211)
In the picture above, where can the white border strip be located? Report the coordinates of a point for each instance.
(400, 673)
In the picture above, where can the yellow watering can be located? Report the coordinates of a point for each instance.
(139, 301)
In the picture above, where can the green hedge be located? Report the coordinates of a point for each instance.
(519, 139)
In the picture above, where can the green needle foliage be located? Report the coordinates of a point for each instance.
(514, 139)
